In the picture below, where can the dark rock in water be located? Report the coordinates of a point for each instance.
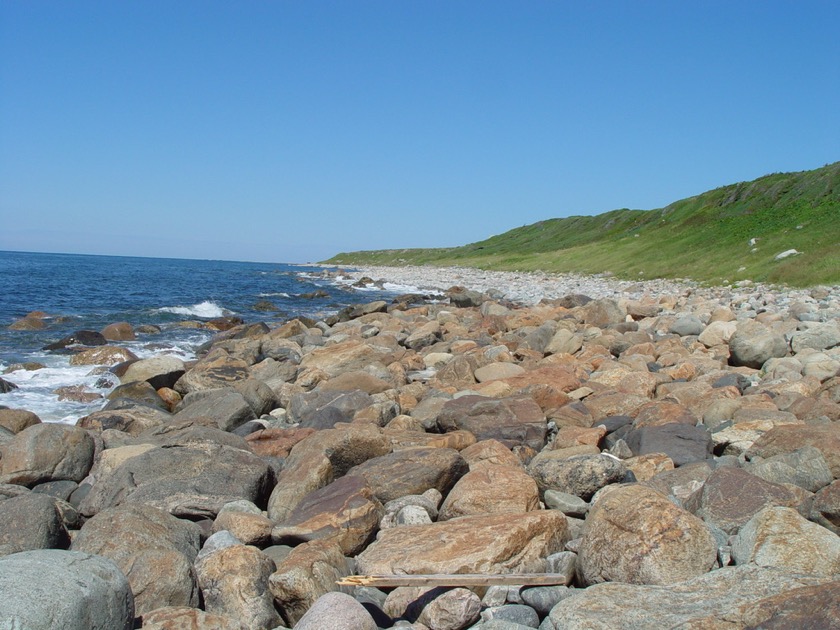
(265, 305)
(320, 293)
(120, 331)
(64, 589)
(31, 521)
(78, 338)
(147, 329)
(6, 386)
(29, 366)
(224, 323)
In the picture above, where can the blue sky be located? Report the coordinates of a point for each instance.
(290, 131)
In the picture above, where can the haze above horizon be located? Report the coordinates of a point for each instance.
(291, 131)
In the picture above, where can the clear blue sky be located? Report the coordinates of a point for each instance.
(292, 130)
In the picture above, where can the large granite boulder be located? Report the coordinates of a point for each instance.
(781, 537)
(321, 458)
(132, 420)
(321, 409)
(634, 534)
(683, 443)
(581, 475)
(186, 618)
(731, 597)
(160, 371)
(193, 481)
(491, 489)
(336, 611)
(498, 543)
(791, 437)
(753, 343)
(70, 590)
(234, 583)
(412, 471)
(31, 521)
(152, 548)
(346, 510)
(212, 373)
(16, 420)
(512, 421)
(226, 406)
(46, 452)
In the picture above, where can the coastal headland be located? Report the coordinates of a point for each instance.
(657, 454)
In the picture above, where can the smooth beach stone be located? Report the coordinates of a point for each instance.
(32, 521)
(46, 452)
(16, 420)
(753, 343)
(226, 406)
(512, 421)
(580, 475)
(452, 610)
(321, 409)
(71, 590)
(159, 371)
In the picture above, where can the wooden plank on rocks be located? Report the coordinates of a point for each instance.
(456, 579)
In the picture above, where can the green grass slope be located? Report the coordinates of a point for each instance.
(706, 237)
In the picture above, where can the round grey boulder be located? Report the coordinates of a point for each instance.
(71, 590)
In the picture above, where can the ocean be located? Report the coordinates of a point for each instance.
(86, 292)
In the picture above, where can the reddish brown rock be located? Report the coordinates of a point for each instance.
(732, 496)
(276, 442)
(489, 453)
(346, 511)
(103, 355)
(186, 618)
(825, 509)
(501, 543)
(635, 535)
(661, 412)
(211, 373)
(119, 331)
(16, 420)
(789, 438)
(491, 490)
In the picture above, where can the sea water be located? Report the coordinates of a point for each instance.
(81, 292)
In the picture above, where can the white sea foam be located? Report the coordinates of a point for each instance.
(204, 310)
(278, 294)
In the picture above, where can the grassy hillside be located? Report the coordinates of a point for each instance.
(705, 237)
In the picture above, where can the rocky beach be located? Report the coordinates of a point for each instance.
(644, 454)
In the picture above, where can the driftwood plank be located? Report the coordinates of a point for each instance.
(455, 579)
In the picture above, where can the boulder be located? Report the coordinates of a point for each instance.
(321, 409)
(792, 437)
(717, 333)
(498, 543)
(338, 358)
(118, 331)
(411, 471)
(321, 458)
(685, 325)
(512, 421)
(212, 373)
(603, 312)
(683, 443)
(133, 420)
(336, 611)
(159, 371)
(452, 610)
(732, 496)
(495, 371)
(153, 549)
(31, 521)
(580, 475)
(307, 573)
(491, 489)
(753, 343)
(805, 467)
(103, 355)
(822, 336)
(825, 509)
(489, 453)
(276, 442)
(245, 522)
(78, 338)
(46, 452)
(726, 598)
(234, 583)
(426, 335)
(135, 393)
(345, 510)
(356, 380)
(6, 386)
(186, 618)
(634, 534)
(192, 481)
(780, 537)
(16, 420)
(70, 590)
(225, 406)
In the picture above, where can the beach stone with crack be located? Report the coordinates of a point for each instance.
(634, 534)
(491, 490)
(489, 453)
(321, 458)
(152, 548)
(337, 611)
(753, 344)
(731, 597)
(64, 589)
(346, 356)
(732, 496)
(781, 537)
(452, 610)
(498, 543)
(276, 442)
(103, 355)
(159, 371)
(512, 421)
(46, 452)
(234, 583)
(580, 475)
(411, 471)
(187, 432)
(31, 521)
(133, 420)
(345, 510)
(226, 406)
(682, 443)
(822, 336)
(496, 371)
(308, 572)
(192, 481)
